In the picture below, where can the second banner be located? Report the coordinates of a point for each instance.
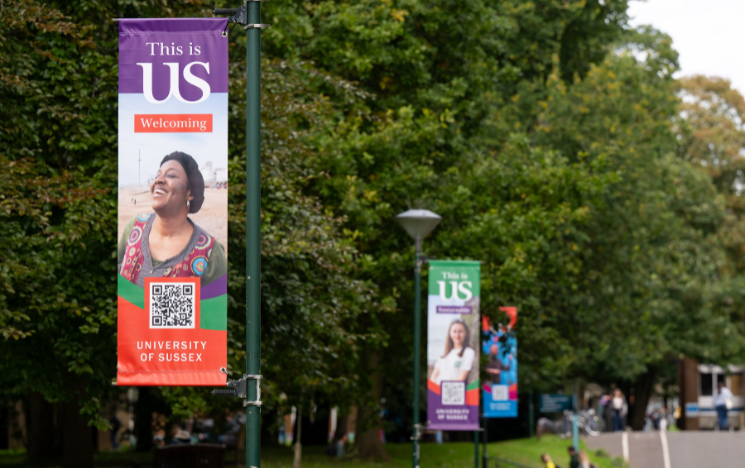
(453, 346)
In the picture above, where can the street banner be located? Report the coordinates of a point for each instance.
(500, 344)
(453, 345)
(172, 202)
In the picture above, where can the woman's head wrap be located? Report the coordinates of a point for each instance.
(196, 181)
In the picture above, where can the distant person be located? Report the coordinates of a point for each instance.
(115, 426)
(663, 419)
(573, 460)
(722, 403)
(180, 435)
(584, 460)
(546, 460)
(495, 366)
(168, 243)
(620, 408)
(608, 413)
(457, 361)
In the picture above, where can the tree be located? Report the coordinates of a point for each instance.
(652, 255)
(58, 91)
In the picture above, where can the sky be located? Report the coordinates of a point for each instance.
(151, 147)
(706, 34)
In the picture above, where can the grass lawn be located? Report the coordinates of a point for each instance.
(451, 455)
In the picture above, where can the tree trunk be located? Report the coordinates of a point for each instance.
(40, 428)
(643, 387)
(144, 408)
(77, 450)
(298, 446)
(368, 442)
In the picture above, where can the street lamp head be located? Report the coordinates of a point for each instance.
(419, 223)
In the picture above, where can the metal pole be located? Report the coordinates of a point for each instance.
(531, 415)
(485, 456)
(417, 345)
(253, 226)
(475, 449)
(575, 433)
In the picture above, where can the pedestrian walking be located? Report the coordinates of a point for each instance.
(546, 460)
(663, 419)
(722, 403)
(620, 408)
(584, 460)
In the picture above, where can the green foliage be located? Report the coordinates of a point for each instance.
(550, 140)
(58, 152)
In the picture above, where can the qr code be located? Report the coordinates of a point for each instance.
(500, 392)
(453, 393)
(172, 305)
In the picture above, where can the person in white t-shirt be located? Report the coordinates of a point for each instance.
(458, 358)
(722, 403)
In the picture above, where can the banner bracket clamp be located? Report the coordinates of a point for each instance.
(239, 389)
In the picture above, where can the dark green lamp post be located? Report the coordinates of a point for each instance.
(418, 223)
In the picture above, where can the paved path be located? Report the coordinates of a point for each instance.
(688, 449)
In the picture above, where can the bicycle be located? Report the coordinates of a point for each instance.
(587, 422)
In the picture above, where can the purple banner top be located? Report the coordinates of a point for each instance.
(193, 50)
(463, 310)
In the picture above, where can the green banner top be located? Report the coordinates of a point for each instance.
(458, 271)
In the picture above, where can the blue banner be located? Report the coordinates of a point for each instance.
(500, 345)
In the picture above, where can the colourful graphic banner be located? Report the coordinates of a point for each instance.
(500, 344)
(453, 346)
(173, 202)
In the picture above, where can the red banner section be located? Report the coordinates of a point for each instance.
(173, 123)
(165, 343)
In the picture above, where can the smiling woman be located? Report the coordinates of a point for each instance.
(167, 243)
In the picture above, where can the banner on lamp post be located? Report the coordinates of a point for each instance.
(173, 202)
(453, 345)
(500, 345)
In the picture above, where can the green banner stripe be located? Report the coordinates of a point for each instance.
(472, 385)
(213, 313)
(130, 292)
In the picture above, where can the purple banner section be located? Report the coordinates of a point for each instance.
(462, 310)
(215, 288)
(151, 50)
(450, 417)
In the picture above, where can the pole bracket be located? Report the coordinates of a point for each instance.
(257, 402)
(239, 15)
(239, 389)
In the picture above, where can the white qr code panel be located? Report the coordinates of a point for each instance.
(453, 393)
(172, 305)
(500, 392)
